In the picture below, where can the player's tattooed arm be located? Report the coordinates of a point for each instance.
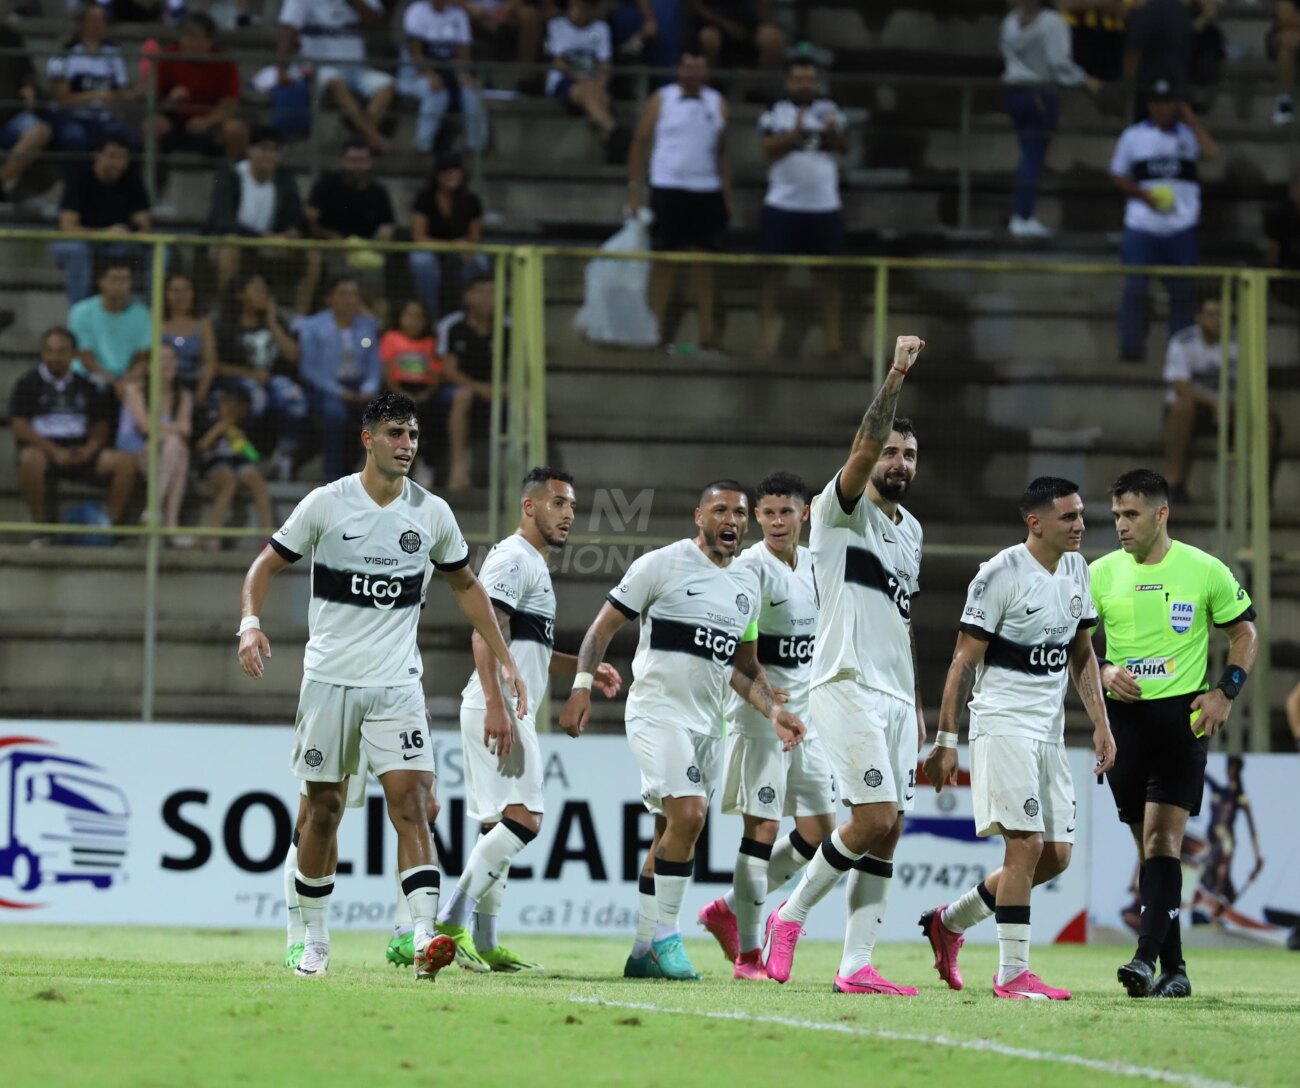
(941, 764)
(577, 710)
(498, 730)
(477, 607)
(1087, 682)
(750, 682)
(873, 431)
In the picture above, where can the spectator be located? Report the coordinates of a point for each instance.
(332, 34)
(87, 82)
(61, 425)
(105, 198)
(1154, 166)
(1097, 36)
(738, 33)
(445, 210)
(261, 355)
(199, 96)
(190, 335)
(1036, 51)
(638, 33)
(1193, 365)
(340, 370)
(580, 49)
(802, 215)
(1283, 45)
(437, 54)
(110, 327)
(1160, 42)
(690, 183)
(229, 461)
(512, 28)
(24, 132)
(175, 423)
(412, 367)
(258, 198)
(465, 345)
(350, 203)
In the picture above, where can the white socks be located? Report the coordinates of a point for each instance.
(868, 894)
(749, 892)
(401, 911)
(314, 900)
(646, 917)
(485, 917)
(971, 909)
(488, 862)
(831, 862)
(1013, 943)
(671, 879)
(420, 885)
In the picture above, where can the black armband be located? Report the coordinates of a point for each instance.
(1102, 662)
(1232, 681)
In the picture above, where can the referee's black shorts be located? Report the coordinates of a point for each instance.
(1158, 758)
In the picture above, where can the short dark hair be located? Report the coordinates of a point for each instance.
(477, 277)
(801, 60)
(1043, 491)
(59, 330)
(333, 285)
(904, 426)
(723, 485)
(540, 475)
(106, 262)
(115, 139)
(235, 391)
(1142, 481)
(782, 483)
(387, 408)
(1207, 294)
(356, 143)
(202, 22)
(265, 134)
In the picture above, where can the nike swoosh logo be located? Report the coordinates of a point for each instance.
(1031, 611)
(416, 756)
(776, 604)
(759, 902)
(354, 536)
(909, 797)
(694, 592)
(1069, 831)
(888, 540)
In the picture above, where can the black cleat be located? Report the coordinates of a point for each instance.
(1172, 984)
(1136, 977)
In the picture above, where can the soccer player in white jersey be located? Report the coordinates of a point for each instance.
(371, 536)
(866, 555)
(1026, 626)
(503, 760)
(763, 782)
(697, 610)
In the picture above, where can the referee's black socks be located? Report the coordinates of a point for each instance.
(1162, 896)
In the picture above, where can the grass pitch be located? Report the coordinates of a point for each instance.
(145, 1007)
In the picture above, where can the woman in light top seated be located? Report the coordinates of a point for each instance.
(175, 425)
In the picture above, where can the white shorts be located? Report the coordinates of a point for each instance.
(363, 82)
(1019, 784)
(340, 731)
(674, 761)
(492, 783)
(356, 788)
(871, 741)
(763, 781)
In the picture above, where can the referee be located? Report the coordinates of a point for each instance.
(1156, 599)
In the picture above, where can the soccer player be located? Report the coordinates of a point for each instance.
(697, 610)
(866, 554)
(1157, 598)
(1026, 624)
(763, 782)
(503, 761)
(371, 535)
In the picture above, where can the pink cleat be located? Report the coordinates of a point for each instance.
(779, 940)
(1027, 986)
(946, 945)
(749, 966)
(720, 920)
(867, 980)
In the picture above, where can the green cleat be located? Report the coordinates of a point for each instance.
(673, 962)
(642, 967)
(293, 955)
(401, 950)
(466, 954)
(502, 959)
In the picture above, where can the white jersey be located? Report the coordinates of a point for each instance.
(517, 579)
(685, 154)
(1029, 618)
(806, 179)
(1190, 359)
(583, 48)
(867, 569)
(327, 29)
(1154, 158)
(368, 571)
(787, 627)
(441, 33)
(694, 616)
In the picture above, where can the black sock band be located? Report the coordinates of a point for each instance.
(312, 891)
(874, 866)
(837, 860)
(425, 878)
(1012, 916)
(1161, 890)
(524, 834)
(646, 885)
(755, 849)
(296, 836)
(990, 900)
(802, 846)
(664, 867)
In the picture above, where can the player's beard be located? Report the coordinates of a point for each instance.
(552, 536)
(891, 489)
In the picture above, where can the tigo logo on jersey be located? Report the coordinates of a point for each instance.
(61, 820)
(1151, 668)
(1181, 615)
(721, 646)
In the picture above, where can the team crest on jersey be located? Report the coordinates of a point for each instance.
(766, 795)
(980, 588)
(742, 602)
(313, 758)
(873, 778)
(1181, 616)
(693, 773)
(1031, 807)
(1076, 606)
(410, 541)
(513, 568)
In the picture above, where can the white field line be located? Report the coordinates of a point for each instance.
(986, 1046)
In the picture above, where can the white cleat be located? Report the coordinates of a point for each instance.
(1028, 228)
(315, 962)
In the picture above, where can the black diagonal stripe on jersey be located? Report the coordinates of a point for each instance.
(1159, 169)
(365, 590)
(1043, 659)
(697, 639)
(864, 568)
(785, 651)
(530, 627)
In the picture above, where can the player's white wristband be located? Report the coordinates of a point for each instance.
(945, 740)
(583, 680)
(249, 623)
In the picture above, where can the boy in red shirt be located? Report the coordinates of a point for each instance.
(198, 98)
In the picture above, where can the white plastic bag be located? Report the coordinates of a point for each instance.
(615, 309)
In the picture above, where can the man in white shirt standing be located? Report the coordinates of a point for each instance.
(802, 214)
(1155, 167)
